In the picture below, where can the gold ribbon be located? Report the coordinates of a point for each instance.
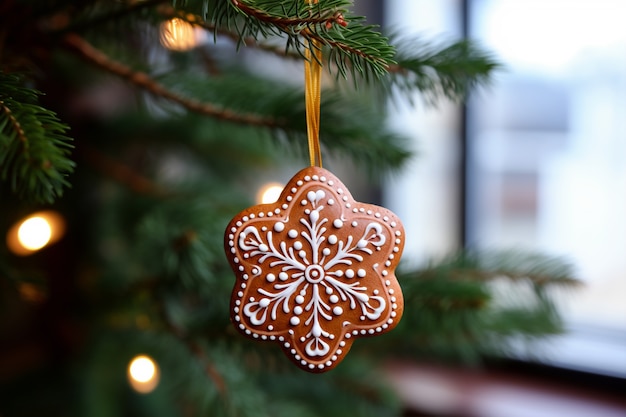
(312, 96)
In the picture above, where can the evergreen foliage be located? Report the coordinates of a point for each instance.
(169, 145)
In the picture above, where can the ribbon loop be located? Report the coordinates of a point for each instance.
(312, 95)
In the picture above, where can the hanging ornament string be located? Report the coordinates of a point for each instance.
(312, 95)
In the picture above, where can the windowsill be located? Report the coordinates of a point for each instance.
(518, 391)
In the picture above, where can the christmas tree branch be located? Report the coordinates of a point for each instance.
(96, 57)
(121, 173)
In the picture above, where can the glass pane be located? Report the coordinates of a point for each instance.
(547, 145)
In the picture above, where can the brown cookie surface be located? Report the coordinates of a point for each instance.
(315, 270)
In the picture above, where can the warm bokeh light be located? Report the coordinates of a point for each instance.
(269, 193)
(35, 232)
(143, 374)
(178, 35)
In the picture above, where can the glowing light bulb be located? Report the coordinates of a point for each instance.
(34, 233)
(269, 193)
(178, 35)
(143, 374)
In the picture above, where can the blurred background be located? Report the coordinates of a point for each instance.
(535, 161)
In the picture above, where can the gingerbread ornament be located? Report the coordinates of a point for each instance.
(315, 270)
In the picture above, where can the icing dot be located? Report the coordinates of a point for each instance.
(337, 311)
(396, 249)
(393, 314)
(294, 321)
(238, 223)
(311, 366)
(342, 343)
(376, 292)
(252, 215)
(303, 362)
(339, 273)
(362, 318)
(339, 190)
(270, 327)
(270, 277)
(334, 298)
(315, 177)
(240, 294)
(371, 331)
(277, 211)
(294, 189)
(386, 218)
(233, 229)
(320, 366)
(388, 263)
(387, 282)
(398, 241)
(328, 363)
(302, 339)
(354, 224)
(297, 310)
(393, 224)
(283, 276)
(363, 331)
(272, 337)
(302, 254)
(323, 178)
(362, 243)
(391, 291)
(331, 201)
(304, 202)
(355, 210)
(299, 299)
(361, 273)
(263, 247)
(398, 233)
(279, 227)
(299, 182)
(355, 332)
(329, 290)
(245, 218)
(248, 332)
(261, 214)
(307, 178)
(281, 338)
(241, 326)
(287, 345)
(289, 198)
(241, 268)
(377, 215)
(385, 273)
(297, 245)
(330, 182)
(350, 273)
(326, 251)
(293, 233)
(337, 223)
(347, 336)
(332, 239)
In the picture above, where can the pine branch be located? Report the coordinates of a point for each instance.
(33, 148)
(450, 71)
(354, 48)
(94, 56)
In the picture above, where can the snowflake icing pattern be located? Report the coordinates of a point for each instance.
(315, 270)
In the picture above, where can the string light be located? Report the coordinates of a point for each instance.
(35, 232)
(269, 193)
(178, 35)
(143, 374)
